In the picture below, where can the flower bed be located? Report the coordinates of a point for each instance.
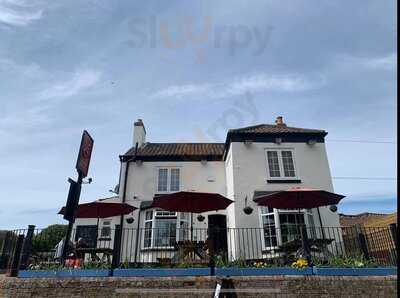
(227, 271)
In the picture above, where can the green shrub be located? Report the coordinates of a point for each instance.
(48, 238)
(348, 262)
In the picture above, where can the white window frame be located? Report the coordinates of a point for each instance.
(168, 179)
(261, 214)
(106, 223)
(306, 213)
(280, 162)
(157, 213)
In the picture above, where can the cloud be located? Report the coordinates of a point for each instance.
(386, 62)
(18, 13)
(80, 82)
(38, 211)
(251, 83)
(369, 197)
(30, 70)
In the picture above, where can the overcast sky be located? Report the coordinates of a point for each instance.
(190, 71)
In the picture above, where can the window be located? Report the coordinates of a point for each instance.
(281, 163)
(88, 234)
(168, 179)
(288, 165)
(165, 229)
(273, 164)
(162, 179)
(174, 186)
(161, 228)
(310, 218)
(283, 225)
(290, 226)
(183, 228)
(106, 229)
(269, 228)
(148, 228)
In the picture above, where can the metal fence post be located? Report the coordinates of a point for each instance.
(393, 232)
(27, 246)
(363, 245)
(211, 252)
(6, 251)
(305, 244)
(13, 270)
(117, 247)
(393, 252)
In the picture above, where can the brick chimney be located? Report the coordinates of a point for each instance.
(279, 121)
(139, 133)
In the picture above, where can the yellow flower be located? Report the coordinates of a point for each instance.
(300, 263)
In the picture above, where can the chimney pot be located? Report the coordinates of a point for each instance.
(279, 121)
(139, 133)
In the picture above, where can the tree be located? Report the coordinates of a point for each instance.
(48, 238)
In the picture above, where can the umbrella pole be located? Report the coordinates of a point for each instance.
(320, 222)
(191, 226)
(304, 243)
(97, 226)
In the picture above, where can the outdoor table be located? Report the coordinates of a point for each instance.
(189, 249)
(316, 245)
(107, 252)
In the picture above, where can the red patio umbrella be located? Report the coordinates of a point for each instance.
(101, 210)
(299, 198)
(191, 201)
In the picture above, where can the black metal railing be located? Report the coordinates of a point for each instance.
(183, 247)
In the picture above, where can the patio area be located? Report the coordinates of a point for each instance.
(267, 247)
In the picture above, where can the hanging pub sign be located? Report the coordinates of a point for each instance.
(85, 153)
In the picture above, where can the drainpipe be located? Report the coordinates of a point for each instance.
(137, 235)
(121, 223)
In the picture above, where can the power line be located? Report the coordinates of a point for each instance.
(365, 178)
(362, 141)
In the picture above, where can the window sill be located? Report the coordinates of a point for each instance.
(283, 181)
(158, 249)
(274, 251)
(104, 239)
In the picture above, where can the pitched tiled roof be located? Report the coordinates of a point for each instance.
(272, 129)
(189, 151)
(215, 151)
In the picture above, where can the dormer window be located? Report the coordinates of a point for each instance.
(168, 180)
(280, 163)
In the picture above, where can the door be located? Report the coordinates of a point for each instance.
(218, 233)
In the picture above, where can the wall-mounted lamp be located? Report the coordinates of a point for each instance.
(200, 218)
(203, 162)
(87, 181)
(278, 141)
(311, 142)
(130, 220)
(248, 142)
(247, 209)
(139, 162)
